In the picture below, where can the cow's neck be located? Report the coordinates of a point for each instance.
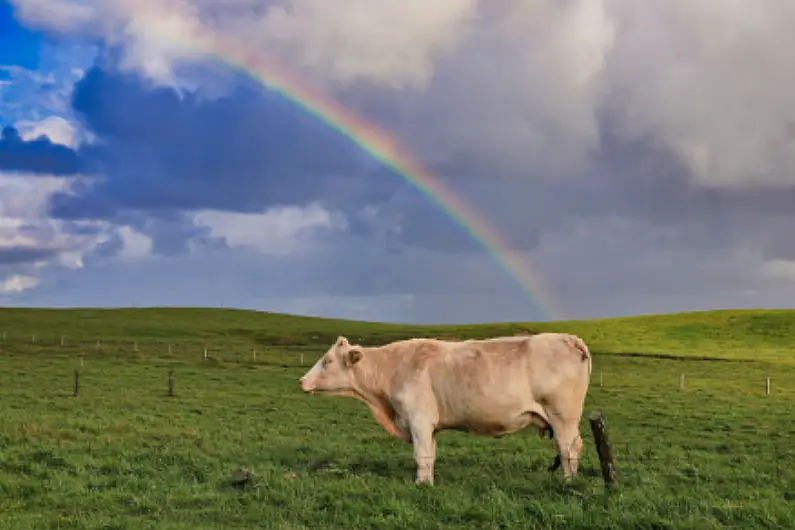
(372, 387)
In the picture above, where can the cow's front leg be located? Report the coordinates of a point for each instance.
(423, 441)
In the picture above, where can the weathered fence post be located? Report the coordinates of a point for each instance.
(603, 448)
(62, 341)
(254, 355)
(205, 353)
(681, 381)
(77, 385)
(302, 359)
(601, 378)
(81, 361)
(767, 386)
(170, 383)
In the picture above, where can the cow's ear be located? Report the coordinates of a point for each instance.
(354, 356)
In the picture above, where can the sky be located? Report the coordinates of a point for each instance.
(636, 157)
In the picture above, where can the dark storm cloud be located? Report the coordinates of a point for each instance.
(36, 156)
(161, 152)
(21, 255)
(243, 152)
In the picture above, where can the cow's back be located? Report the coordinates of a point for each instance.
(487, 381)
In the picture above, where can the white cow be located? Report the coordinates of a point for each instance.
(418, 387)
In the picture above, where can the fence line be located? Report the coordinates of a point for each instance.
(780, 377)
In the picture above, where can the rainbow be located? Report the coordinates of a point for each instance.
(383, 148)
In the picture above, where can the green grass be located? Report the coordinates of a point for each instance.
(123, 455)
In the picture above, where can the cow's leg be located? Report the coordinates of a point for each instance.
(569, 443)
(555, 463)
(423, 441)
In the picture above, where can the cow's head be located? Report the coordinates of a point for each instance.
(332, 373)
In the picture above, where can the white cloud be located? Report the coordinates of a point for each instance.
(779, 269)
(383, 41)
(277, 231)
(59, 15)
(24, 216)
(712, 80)
(18, 283)
(386, 41)
(56, 128)
(516, 80)
(33, 241)
(136, 246)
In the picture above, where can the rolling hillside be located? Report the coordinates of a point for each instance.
(765, 335)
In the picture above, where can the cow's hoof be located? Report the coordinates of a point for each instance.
(423, 481)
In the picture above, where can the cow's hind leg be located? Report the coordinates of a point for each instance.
(555, 464)
(569, 444)
(423, 441)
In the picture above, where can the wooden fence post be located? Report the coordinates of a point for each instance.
(77, 386)
(603, 448)
(767, 386)
(170, 383)
(681, 381)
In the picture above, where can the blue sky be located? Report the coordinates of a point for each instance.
(18, 45)
(635, 165)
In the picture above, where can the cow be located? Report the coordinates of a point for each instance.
(493, 387)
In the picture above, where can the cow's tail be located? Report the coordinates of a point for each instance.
(585, 353)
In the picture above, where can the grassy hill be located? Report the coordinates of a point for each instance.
(767, 335)
(717, 453)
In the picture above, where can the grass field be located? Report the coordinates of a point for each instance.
(122, 454)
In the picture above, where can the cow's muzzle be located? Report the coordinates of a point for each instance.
(306, 386)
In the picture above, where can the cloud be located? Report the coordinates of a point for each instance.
(640, 156)
(509, 82)
(55, 128)
(314, 35)
(709, 80)
(40, 155)
(345, 49)
(32, 242)
(780, 269)
(28, 95)
(134, 245)
(17, 284)
(239, 153)
(277, 231)
(29, 239)
(58, 15)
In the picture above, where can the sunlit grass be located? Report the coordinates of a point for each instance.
(123, 455)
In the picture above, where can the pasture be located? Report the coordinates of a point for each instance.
(122, 454)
